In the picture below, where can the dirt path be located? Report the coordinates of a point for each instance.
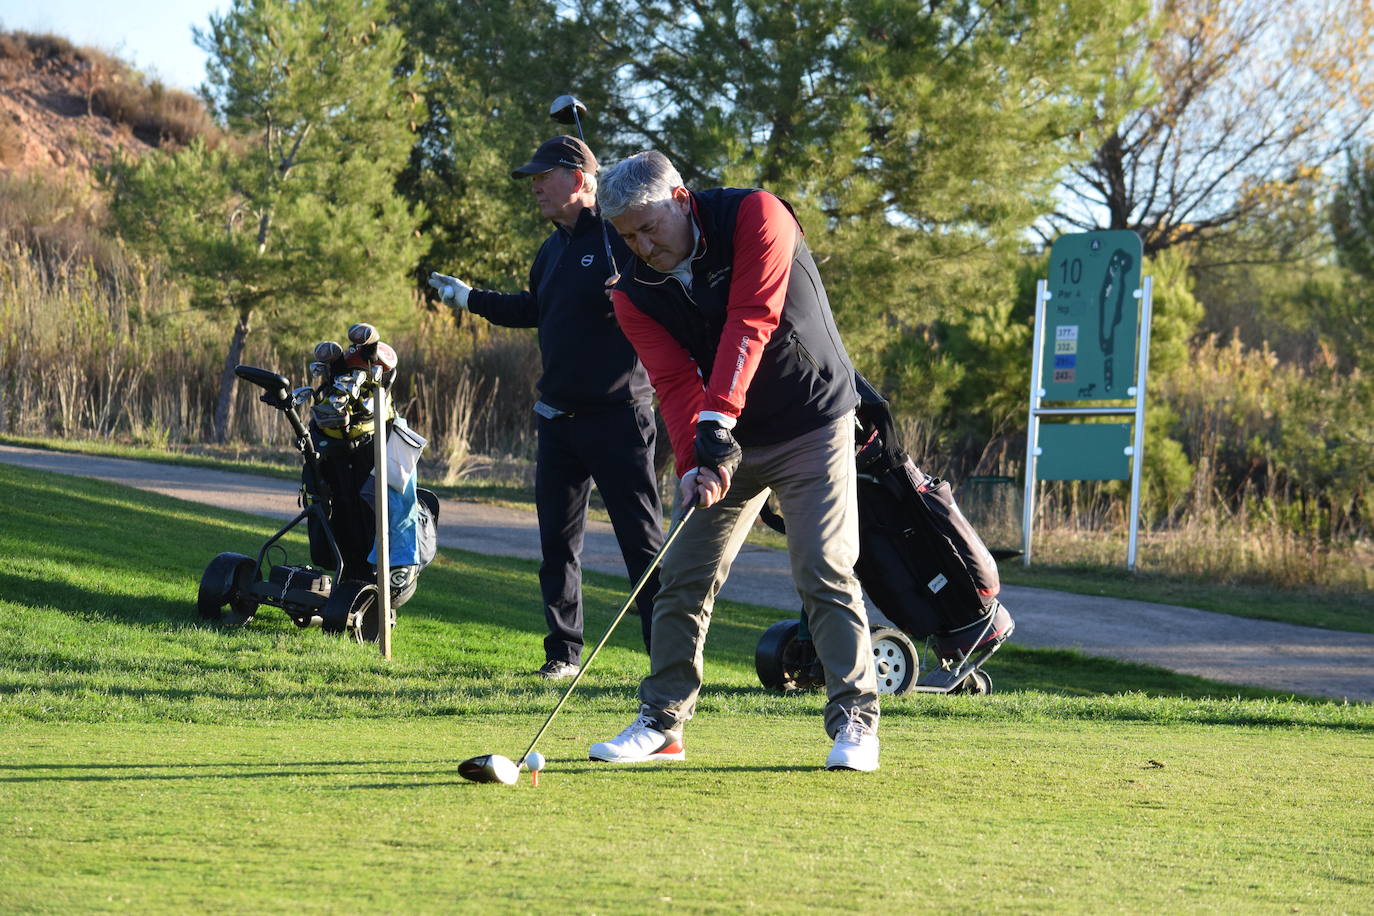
(1276, 655)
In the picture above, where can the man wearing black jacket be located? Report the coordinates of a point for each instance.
(595, 415)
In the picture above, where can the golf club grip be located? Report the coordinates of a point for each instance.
(634, 593)
(610, 255)
(605, 236)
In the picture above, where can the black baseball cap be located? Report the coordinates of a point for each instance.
(569, 152)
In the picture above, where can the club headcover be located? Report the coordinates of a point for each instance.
(360, 335)
(327, 351)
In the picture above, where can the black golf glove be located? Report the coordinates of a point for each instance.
(716, 450)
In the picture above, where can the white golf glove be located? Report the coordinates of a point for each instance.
(452, 291)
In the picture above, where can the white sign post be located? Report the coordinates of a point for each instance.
(1080, 313)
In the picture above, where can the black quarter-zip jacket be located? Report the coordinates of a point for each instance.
(587, 362)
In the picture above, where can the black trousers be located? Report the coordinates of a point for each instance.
(615, 449)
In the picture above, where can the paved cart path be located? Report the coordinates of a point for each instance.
(1279, 656)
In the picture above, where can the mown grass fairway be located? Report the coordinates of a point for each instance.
(148, 763)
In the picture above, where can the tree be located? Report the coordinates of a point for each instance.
(489, 75)
(1352, 214)
(297, 212)
(916, 140)
(1250, 99)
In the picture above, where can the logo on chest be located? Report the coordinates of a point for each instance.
(587, 260)
(718, 276)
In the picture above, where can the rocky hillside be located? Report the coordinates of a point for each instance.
(67, 109)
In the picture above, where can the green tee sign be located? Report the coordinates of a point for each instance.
(1091, 316)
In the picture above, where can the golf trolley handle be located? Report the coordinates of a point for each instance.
(276, 388)
(277, 393)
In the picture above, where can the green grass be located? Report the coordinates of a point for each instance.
(156, 764)
(1329, 609)
(368, 816)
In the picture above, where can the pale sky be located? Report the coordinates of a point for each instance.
(153, 35)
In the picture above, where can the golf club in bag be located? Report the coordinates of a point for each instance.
(921, 563)
(568, 109)
(337, 590)
(494, 767)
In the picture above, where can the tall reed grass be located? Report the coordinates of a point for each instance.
(108, 348)
(104, 347)
(1219, 543)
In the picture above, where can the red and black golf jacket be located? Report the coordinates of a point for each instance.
(753, 338)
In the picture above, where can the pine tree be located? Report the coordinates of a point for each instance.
(916, 140)
(293, 223)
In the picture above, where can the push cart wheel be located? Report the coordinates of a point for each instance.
(348, 607)
(784, 662)
(224, 598)
(429, 500)
(977, 684)
(895, 661)
(363, 625)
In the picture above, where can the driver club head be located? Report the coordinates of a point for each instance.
(489, 768)
(567, 109)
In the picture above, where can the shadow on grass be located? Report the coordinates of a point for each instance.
(564, 769)
(140, 610)
(208, 766)
(105, 545)
(223, 770)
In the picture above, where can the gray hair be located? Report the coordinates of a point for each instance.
(637, 181)
(588, 183)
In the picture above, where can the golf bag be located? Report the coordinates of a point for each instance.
(342, 428)
(338, 589)
(920, 562)
(919, 559)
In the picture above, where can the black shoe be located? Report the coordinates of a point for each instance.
(558, 670)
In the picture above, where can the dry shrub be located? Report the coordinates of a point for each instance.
(75, 361)
(507, 366)
(495, 368)
(156, 115)
(13, 46)
(1253, 543)
(459, 412)
(12, 142)
(40, 49)
(60, 223)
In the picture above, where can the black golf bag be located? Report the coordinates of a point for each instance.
(342, 429)
(920, 562)
(919, 559)
(345, 488)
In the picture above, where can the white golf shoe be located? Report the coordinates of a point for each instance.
(641, 742)
(856, 746)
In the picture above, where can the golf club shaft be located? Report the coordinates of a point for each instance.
(605, 236)
(634, 593)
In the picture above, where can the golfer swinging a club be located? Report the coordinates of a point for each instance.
(726, 310)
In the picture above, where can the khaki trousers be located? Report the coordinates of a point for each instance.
(813, 478)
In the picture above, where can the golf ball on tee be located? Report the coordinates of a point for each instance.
(535, 760)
